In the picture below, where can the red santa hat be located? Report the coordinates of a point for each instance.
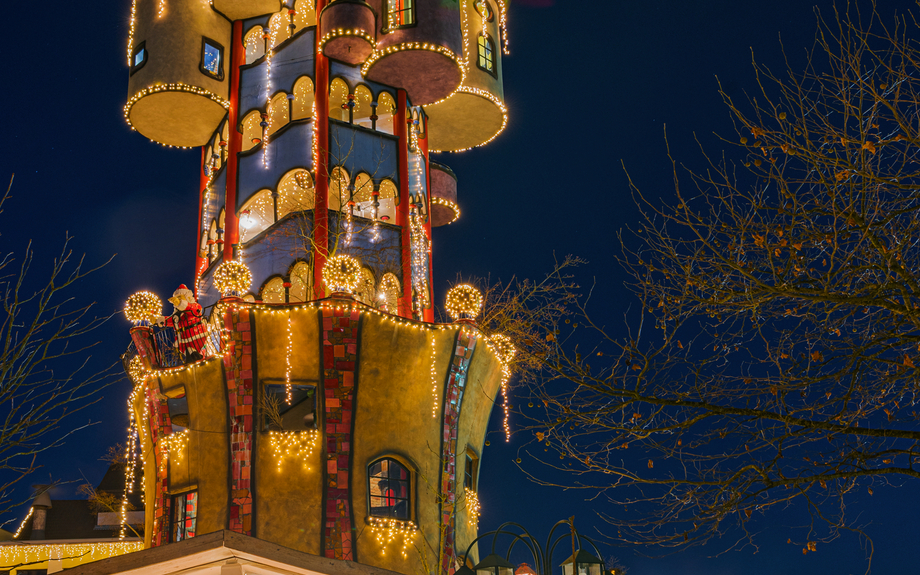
(183, 291)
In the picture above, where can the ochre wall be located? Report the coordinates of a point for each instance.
(393, 416)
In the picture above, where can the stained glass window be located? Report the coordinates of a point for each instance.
(388, 488)
(185, 514)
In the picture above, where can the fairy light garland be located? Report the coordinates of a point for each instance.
(360, 32)
(449, 205)
(172, 446)
(488, 96)
(472, 507)
(268, 34)
(434, 380)
(205, 212)
(298, 445)
(174, 87)
(232, 278)
(503, 347)
(31, 554)
(420, 249)
(23, 524)
(463, 302)
(386, 531)
(161, 8)
(288, 396)
(143, 308)
(378, 54)
(131, 27)
(342, 273)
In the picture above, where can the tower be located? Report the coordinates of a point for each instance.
(327, 412)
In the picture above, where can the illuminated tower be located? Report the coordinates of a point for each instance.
(331, 415)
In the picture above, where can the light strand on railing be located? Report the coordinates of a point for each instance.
(287, 372)
(434, 380)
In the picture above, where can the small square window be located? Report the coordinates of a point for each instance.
(184, 516)
(212, 58)
(138, 57)
(291, 412)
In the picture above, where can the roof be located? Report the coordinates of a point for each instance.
(224, 553)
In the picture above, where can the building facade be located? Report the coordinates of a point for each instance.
(313, 403)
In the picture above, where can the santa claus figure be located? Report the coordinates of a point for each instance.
(186, 319)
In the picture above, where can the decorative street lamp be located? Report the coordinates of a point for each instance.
(581, 561)
(494, 564)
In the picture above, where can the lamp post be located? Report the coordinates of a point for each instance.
(581, 562)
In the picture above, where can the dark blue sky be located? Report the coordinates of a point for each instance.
(589, 84)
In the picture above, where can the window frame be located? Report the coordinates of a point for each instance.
(175, 498)
(220, 48)
(410, 489)
(479, 54)
(471, 471)
(134, 66)
(386, 13)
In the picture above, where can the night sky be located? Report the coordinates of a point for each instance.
(589, 84)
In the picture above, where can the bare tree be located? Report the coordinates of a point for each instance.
(773, 359)
(45, 372)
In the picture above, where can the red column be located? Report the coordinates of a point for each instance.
(201, 263)
(321, 185)
(231, 223)
(423, 146)
(402, 210)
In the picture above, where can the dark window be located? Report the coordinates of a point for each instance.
(185, 513)
(400, 13)
(178, 413)
(486, 60)
(139, 57)
(388, 487)
(294, 412)
(469, 472)
(212, 58)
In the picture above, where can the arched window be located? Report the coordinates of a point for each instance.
(295, 192)
(273, 291)
(362, 113)
(385, 108)
(258, 214)
(255, 44)
(366, 291)
(388, 294)
(306, 16)
(486, 59)
(278, 114)
(399, 13)
(212, 241)
(303, 98)
(338, 100)
(364, 196)
(252, 130)
(279, 27)
(338, 188)
(388, 488)
(221, 226)
(301, 283)
(387, 198)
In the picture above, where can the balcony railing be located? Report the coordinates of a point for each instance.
(165, 352)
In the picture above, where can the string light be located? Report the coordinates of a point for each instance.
(472, 507)
(20, 555)
(378, 54)
(131, 27)
(287, 372)
(387, 530)
(293, 444)
(502, 346)
(342, 273)
(161, 8)
(232, 278)
(434, 380)
(420, 250)
(174, 87)
(143, 308)
(23, 524)
(172, 446)
(268, 34)
(449, 205)
(341, 32)
(205, 212)
(137, 371)
(463, 302)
